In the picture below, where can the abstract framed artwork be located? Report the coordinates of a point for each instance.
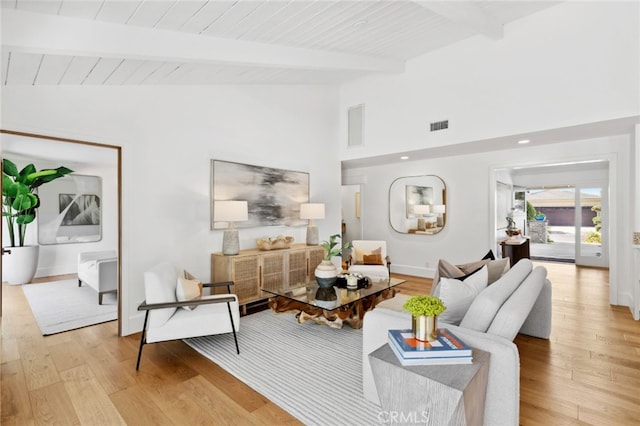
(80, 210)
(273, 195)
(71, 210)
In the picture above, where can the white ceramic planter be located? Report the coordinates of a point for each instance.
(326, 274)
(20, 266)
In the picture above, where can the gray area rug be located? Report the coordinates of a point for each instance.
(312, 371)
(62, 306)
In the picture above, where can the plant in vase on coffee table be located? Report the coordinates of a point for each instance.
(326, 273)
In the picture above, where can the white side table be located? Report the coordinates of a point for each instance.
(431, 394)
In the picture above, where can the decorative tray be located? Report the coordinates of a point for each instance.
(341, 282)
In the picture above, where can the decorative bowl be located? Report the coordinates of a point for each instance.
(279, 242)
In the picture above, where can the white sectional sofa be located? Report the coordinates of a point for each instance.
(99, 270)
(518, 302)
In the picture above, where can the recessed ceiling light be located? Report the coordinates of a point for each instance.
(523, 141)
(404, 157)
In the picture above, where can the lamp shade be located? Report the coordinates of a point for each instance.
(230, 211)
(312, 211)
(439, 208)
(421, 209)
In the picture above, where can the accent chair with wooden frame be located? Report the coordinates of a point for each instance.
(167, 318)
(369, 258)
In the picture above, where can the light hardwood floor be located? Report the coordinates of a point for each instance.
(587, 373)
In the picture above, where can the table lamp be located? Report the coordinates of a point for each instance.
(312, 211)
(421, 210)
(439, 210)
(230, 211)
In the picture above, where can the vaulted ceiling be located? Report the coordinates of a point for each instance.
(145, 42)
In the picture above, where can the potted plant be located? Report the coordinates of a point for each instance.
(326, 272)
(424, 310)
(19, 204)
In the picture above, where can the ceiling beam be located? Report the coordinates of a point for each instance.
(49, 34)
(469, 14)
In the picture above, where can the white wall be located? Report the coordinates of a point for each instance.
(168, 136)
(537, 178)
(470, 181)
(573, 63)
(352, 223)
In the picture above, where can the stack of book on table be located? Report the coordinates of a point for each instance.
(448, 349)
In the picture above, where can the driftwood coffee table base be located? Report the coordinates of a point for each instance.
(351, 313)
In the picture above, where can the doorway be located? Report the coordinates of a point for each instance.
(568, 223)
(76, 152)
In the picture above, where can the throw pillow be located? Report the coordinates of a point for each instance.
(188, 290)
(457, 295)
(497, 268)
(489, 255)
(449, 270)
(360, 254)
(372, 259)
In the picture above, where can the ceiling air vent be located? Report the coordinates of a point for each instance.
(439, 125)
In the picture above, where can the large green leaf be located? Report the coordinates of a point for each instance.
(7, 183)
(9, 168)
(24, 202)
(28, 170)
(38, 178)
(12, 190)
(24, 219)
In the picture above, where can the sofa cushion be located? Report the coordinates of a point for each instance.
(375, 272)
(457, 295)
(496, 268)
(515, 310)
(538, 323)
(207, 320)
(485, 306)
(160, 287)
(396, 303)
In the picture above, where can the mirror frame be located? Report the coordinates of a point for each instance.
(431, 189)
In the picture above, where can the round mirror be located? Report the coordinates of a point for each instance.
(417, 204)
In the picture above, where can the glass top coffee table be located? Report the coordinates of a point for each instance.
(333, 306)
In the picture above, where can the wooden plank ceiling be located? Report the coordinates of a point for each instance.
(145, 42)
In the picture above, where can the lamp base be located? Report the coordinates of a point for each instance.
(312, 235)
(230, 242)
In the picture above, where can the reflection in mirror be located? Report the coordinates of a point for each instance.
(417, 204)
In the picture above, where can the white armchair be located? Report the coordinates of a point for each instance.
(99, 270)
(165, 319)
(369, 258)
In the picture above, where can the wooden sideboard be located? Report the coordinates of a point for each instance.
(252, 270)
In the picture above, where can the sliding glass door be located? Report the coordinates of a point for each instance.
(591, 218)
